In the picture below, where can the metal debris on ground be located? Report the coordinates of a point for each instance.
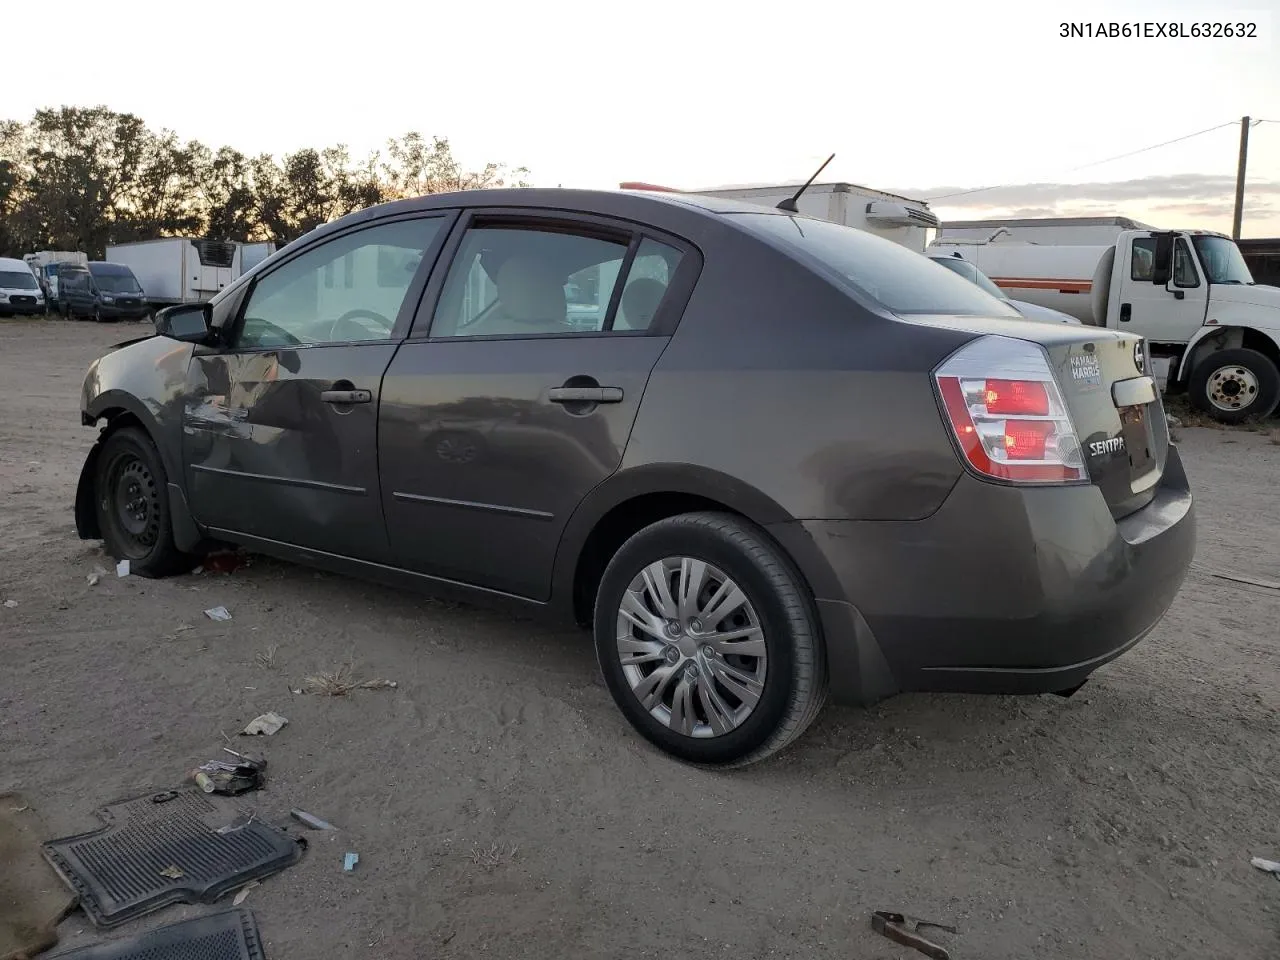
(122, 568)
(230, 779)
(268, 724)
(315, 823)
(906, 930)
(218, 613)
(1252, 581)
(349, 862)
(1267, 866)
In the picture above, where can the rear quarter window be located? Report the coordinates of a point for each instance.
(899, 280)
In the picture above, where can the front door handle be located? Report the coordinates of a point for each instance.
(1126, 312)
(585, 394)
(346, 396)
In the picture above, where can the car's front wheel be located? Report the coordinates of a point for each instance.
(708, 640)
(133, 505)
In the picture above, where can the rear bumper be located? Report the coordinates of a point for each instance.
(1002, 590)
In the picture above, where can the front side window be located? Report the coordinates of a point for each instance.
(1143, 266)
(301, 304)
(1184, 266)
(517, 281)
(899, 280)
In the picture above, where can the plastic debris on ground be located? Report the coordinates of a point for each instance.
(315, 823)
(244, 893)
(349, 862)
(1267, 866)
(11, 604)
(93, 578)
(218, 613)
(122, 568)
(269, 724)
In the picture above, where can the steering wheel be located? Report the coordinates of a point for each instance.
(351, 315)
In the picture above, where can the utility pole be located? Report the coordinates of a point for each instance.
(1244, 152)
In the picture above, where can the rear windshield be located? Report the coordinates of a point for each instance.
(900, 280)
(18, 280)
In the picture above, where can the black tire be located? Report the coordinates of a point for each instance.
(132, 503)
(97, 314)
(1247, 368)
(795, 682)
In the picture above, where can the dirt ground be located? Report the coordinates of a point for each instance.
(1119, 823)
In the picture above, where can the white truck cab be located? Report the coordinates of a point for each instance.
(1210, 329)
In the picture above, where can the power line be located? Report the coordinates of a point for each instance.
(1133, 153)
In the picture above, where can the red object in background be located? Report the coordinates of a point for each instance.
(225, 561)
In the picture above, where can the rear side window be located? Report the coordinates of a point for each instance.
(900, 280)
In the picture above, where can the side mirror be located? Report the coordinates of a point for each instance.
(1162, 265)
(186, 322)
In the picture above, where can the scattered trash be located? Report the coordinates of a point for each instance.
(122, 568)
(1252, 581)
(905, 930)
(340, 682)
(268, 724)
(93, 578)
(1173, 421)
(11, 604)
(244, 893)
(230, 779)
(267, 658)
(1267, 866)
(349, 861)
(173, 873)
(315, 823)
(218, 613)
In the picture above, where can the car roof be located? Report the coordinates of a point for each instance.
(106, 266)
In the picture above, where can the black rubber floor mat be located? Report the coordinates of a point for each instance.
(155, 851)
(232, 935)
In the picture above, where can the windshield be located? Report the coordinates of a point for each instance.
(116, 283)
(898, 279)
(18, 280)
(1222, 260)
(970, 273)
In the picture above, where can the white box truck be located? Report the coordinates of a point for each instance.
(1209, 328)
(44, 264)
(186, 270)
(904, 221)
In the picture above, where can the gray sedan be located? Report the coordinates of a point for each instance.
(764, 458)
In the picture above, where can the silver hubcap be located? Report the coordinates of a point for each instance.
(691, 647)
(1232, 388)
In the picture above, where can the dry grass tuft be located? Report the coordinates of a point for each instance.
(492, 855)
(340, 682)
(267, 657)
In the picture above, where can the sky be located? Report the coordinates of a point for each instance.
(924, 98)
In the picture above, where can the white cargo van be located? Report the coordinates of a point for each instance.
(20, 292)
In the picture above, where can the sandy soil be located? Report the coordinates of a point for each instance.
(1119, 823)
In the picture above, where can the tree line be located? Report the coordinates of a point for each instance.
(78, 178)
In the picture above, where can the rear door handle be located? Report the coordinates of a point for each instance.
(585, 394)
(346, 396)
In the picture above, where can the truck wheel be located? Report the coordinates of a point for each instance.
(1234, 385)
(131, 497)
(708, 640)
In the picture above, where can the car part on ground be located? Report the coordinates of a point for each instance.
(229, 935)
(899, 483)
(165, 848)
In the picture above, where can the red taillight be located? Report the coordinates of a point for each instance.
(1016, 398)
(1012, 424)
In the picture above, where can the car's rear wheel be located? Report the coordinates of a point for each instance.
(133, 505)
(708, 640)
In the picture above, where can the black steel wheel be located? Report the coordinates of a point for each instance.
(133, 506)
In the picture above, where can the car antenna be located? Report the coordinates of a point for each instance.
(789, 204)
